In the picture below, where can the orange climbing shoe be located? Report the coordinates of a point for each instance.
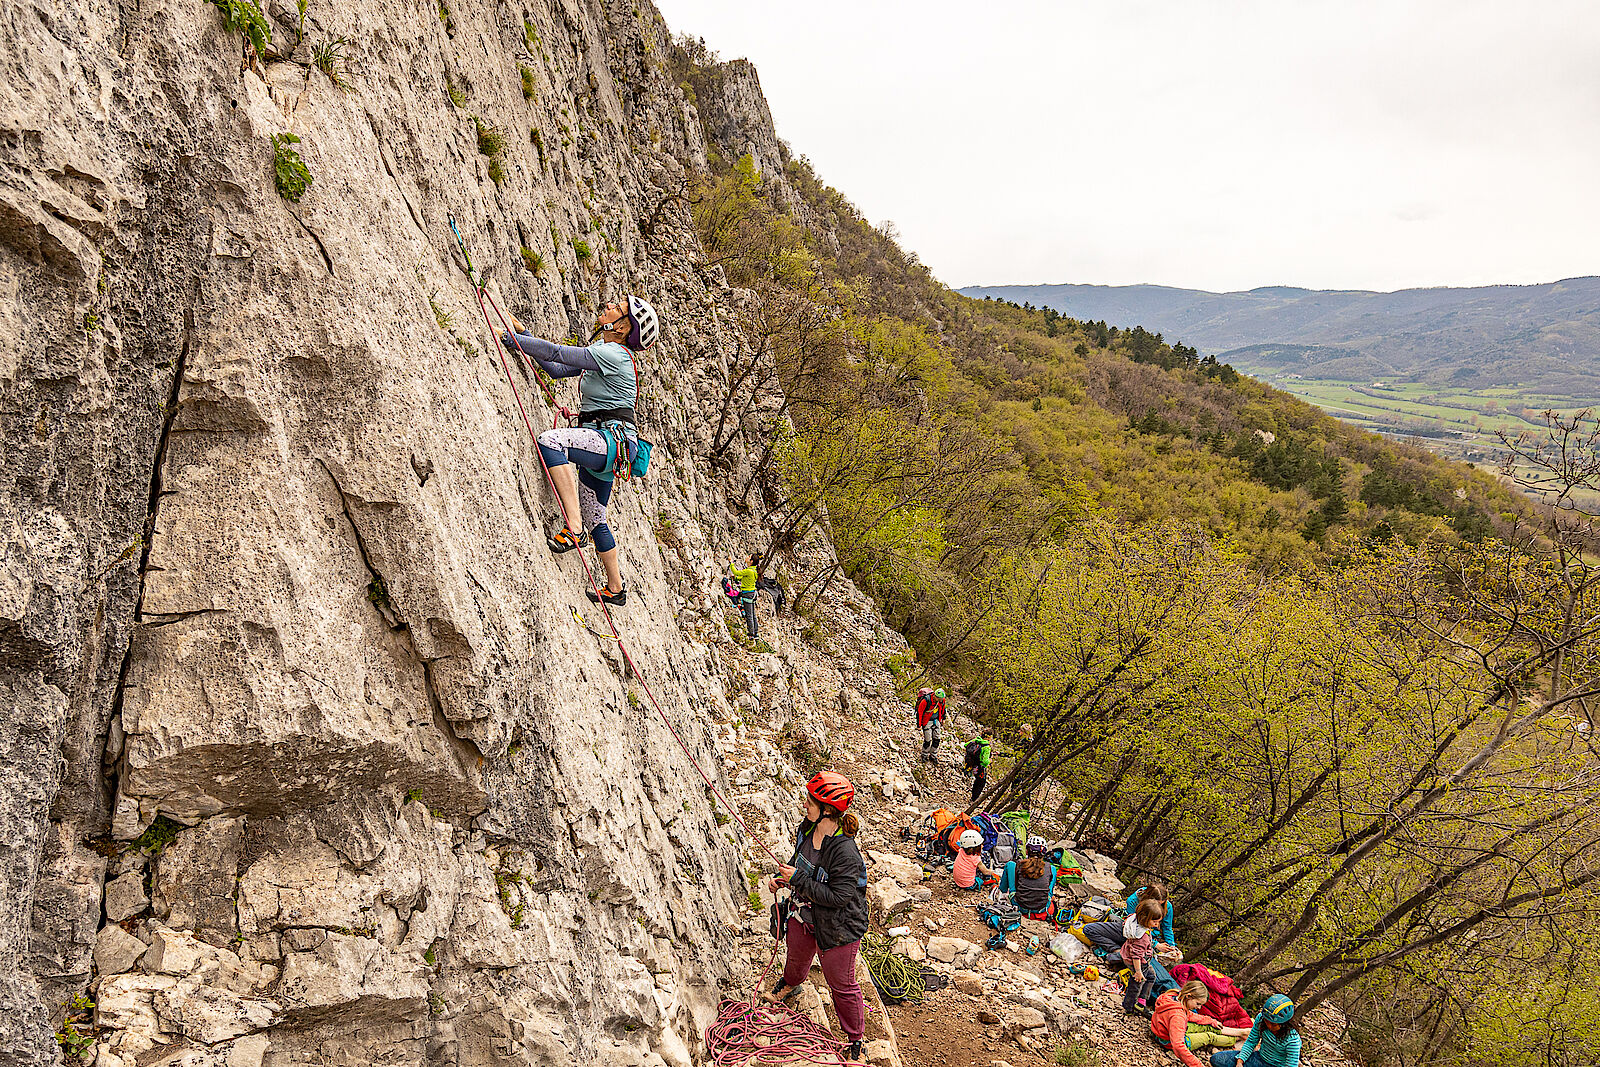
(566, 541)
(608, 596)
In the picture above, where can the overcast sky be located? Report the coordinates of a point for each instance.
(1209, 145)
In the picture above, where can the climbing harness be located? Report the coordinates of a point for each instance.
(897, 976)
(482, 292)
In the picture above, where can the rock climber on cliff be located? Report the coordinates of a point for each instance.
(605, 436)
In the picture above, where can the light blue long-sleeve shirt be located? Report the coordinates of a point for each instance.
(1267, 1049)
(607, 381)
(1166, 920)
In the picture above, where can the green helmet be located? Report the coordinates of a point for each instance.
(939, 693)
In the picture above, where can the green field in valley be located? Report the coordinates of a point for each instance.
(1460, 424)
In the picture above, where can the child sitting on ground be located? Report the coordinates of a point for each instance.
(1274, 1040)
(1032, 883)
(969, 862)
(1179, 1028)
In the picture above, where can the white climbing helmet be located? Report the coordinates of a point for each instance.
(646, 324)
(970, 839)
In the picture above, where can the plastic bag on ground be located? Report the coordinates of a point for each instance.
(1066, 946)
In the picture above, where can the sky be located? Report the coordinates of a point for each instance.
(1206, 144)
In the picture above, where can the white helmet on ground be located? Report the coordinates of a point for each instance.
(646, 324)
(970, 839)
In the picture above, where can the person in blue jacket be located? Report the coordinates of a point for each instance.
(1274, 1040)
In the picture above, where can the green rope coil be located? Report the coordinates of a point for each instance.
(897, 976)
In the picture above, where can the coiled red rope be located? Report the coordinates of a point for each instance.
(758, 1034)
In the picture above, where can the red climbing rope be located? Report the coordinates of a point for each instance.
(758, 1034)
(499, 348)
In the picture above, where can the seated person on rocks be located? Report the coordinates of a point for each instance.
(1178, 1026)
(1162, 935)
(969, 862)
(1032, 882)
(1274, 1040)
(1131, 940)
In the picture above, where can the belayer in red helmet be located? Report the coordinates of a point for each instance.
(605, 442)
(826, 911)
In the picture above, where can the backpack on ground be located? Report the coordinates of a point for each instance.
(1001, 916)
(952, 833)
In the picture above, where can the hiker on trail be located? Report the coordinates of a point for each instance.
(1274, 1040)
(605, 437)
(771, 586)
(1178, 1026)
(826, 882)
(930, 713)
(969, 862)
(1032, 882)
(747, 576)
(976, 763)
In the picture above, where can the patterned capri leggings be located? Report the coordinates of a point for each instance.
(587, 449)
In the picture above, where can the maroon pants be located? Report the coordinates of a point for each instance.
(838, 967)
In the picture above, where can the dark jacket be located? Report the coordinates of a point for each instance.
(838, 895)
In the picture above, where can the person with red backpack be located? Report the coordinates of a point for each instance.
(827, 907)
(930, 713)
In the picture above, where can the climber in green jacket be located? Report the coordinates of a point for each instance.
(747, 576)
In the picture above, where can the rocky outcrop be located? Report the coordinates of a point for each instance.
(292, 693)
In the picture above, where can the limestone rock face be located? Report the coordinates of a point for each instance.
(279, 638)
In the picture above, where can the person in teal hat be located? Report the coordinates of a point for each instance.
(1274, 1040)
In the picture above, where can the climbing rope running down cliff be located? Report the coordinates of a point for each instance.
(747, 1033)
(494, 340)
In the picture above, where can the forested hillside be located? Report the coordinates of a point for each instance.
(1542, 338)
(1334, 689)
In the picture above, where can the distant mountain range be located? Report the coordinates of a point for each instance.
(1541, 339)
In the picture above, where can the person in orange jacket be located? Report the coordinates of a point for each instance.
(1178, 1026)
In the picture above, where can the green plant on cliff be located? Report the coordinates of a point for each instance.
(491, 143)
(528, 88)
(333, 59)
(76, 1036)
(533, 261)
(581, 249)
(289, 172)
(161, 832)
(490, 140)
(241, 16)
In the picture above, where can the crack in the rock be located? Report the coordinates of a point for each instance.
(153, 501)
(467, 753)
(320, 246)
(167, 618)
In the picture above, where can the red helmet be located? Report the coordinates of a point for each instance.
(832, 789)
